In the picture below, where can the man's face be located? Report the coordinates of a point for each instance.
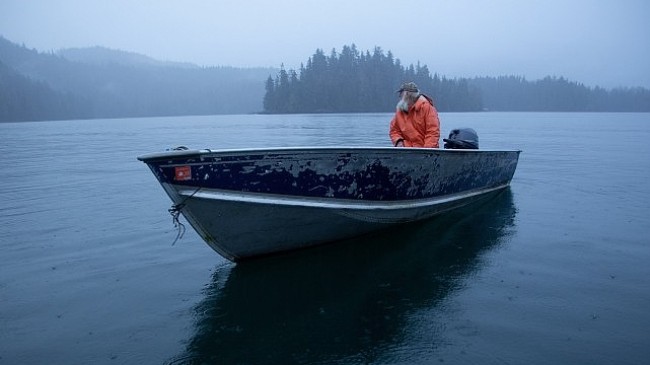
(403, 104)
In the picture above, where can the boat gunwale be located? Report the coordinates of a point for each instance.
(152, 157)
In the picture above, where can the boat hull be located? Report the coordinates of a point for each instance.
(248, 203)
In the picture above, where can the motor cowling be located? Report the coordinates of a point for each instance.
(462, 138)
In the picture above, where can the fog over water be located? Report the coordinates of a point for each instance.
(598, 43)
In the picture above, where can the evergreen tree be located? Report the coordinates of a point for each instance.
(269, 97)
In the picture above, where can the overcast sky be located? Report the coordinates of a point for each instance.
(595, 42)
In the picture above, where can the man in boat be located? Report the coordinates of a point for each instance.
(416, 122)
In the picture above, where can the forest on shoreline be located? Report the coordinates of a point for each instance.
(353, 81)
(97, 82)
(360, 82)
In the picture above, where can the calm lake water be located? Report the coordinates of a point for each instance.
(556, 270)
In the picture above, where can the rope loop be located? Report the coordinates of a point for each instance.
(175, 211)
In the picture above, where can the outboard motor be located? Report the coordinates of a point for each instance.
(462, 138)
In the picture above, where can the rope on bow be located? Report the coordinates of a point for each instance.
(175, 211)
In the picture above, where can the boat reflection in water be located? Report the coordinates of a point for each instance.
(344, 303)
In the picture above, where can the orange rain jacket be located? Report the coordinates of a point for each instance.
(420, 127)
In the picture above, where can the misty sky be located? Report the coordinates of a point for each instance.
(595, 42)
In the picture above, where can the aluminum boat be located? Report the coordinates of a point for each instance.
(252, 202)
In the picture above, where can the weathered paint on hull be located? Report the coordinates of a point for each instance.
(249, 203)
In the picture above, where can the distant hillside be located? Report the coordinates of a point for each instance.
(126, 84)
(24, 99)
(98, 82)
(105, 56)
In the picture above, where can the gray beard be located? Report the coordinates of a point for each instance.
(403, 105)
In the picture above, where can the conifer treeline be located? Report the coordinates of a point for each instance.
(363, 82)
(515, 93)
(352, 81)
